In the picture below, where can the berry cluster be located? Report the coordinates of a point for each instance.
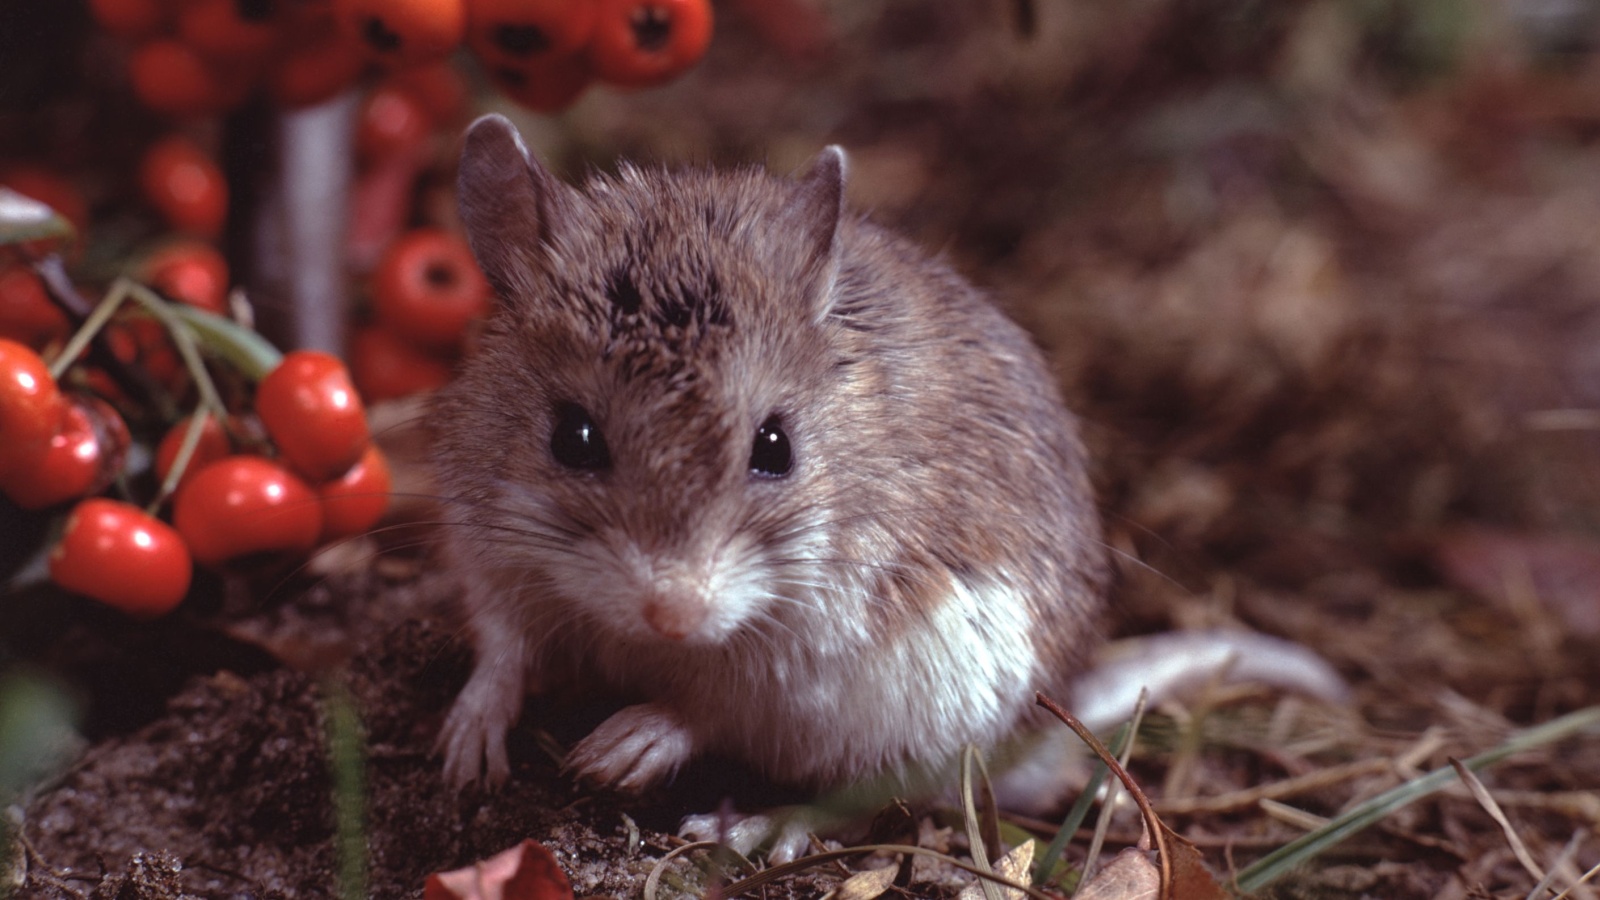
(285, 469)
(195, 58)
(544, 53)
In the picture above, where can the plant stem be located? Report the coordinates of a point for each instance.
(349, 787)
(90, 327)
(182, 339)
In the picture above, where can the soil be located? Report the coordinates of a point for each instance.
(1324, 281)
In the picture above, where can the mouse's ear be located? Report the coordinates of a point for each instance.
(812, 215)
(508, 201)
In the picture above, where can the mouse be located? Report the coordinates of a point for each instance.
(726, 447)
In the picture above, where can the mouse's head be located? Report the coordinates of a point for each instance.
(639, 430)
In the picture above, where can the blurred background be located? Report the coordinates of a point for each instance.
(1322, 276)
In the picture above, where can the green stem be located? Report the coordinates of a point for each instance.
(1080, 810)
(91, 327)
(346, 760)
(251, 354)
(182, 339)
(180, 462)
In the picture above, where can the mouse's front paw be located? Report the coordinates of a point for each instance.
(638, 747)
(473, 740)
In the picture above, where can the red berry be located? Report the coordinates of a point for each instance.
(438, 87)
(144, 343)
(547, 86)
(404, 32)
(229, 32)
(214, 445)
(115, 553)
(171, 78)
(190, 272)
(392, 122)
(73, 465)
(387, 367)
(243, 506)
(638, 43)
(185, 184)
(516, 32)
(312, 412)
(355, 502)
(27, 315)
(129, 18)
(428, 287)
(31, 407)
(318, 62)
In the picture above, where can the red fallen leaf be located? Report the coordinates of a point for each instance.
(1561, 571)
(527, 871)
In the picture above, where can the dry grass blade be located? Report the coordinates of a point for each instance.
(970, 760)
(1481, 794)
(1277, 790)
(1305, 848)
(1595, 870)
(652, 883)
(1563, 861)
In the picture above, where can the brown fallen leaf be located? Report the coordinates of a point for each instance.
(527, 871)
(1191, 880)
(866, 885)
(1129, 876)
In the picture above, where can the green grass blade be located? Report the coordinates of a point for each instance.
(1301, 850)
(1078, 812)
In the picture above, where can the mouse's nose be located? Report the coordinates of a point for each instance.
(675, 612)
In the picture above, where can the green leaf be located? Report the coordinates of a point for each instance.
(23, 219)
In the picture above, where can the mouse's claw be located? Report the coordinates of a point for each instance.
(473, 748)
(638, 747)
(473, 738)
(786, 835)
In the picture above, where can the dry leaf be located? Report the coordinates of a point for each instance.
(527, 871)
(1014, 866)
(1129, 876)
(1191, 880)
(865, 885)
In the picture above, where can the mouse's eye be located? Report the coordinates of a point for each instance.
(771, 456)
(576, 441)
